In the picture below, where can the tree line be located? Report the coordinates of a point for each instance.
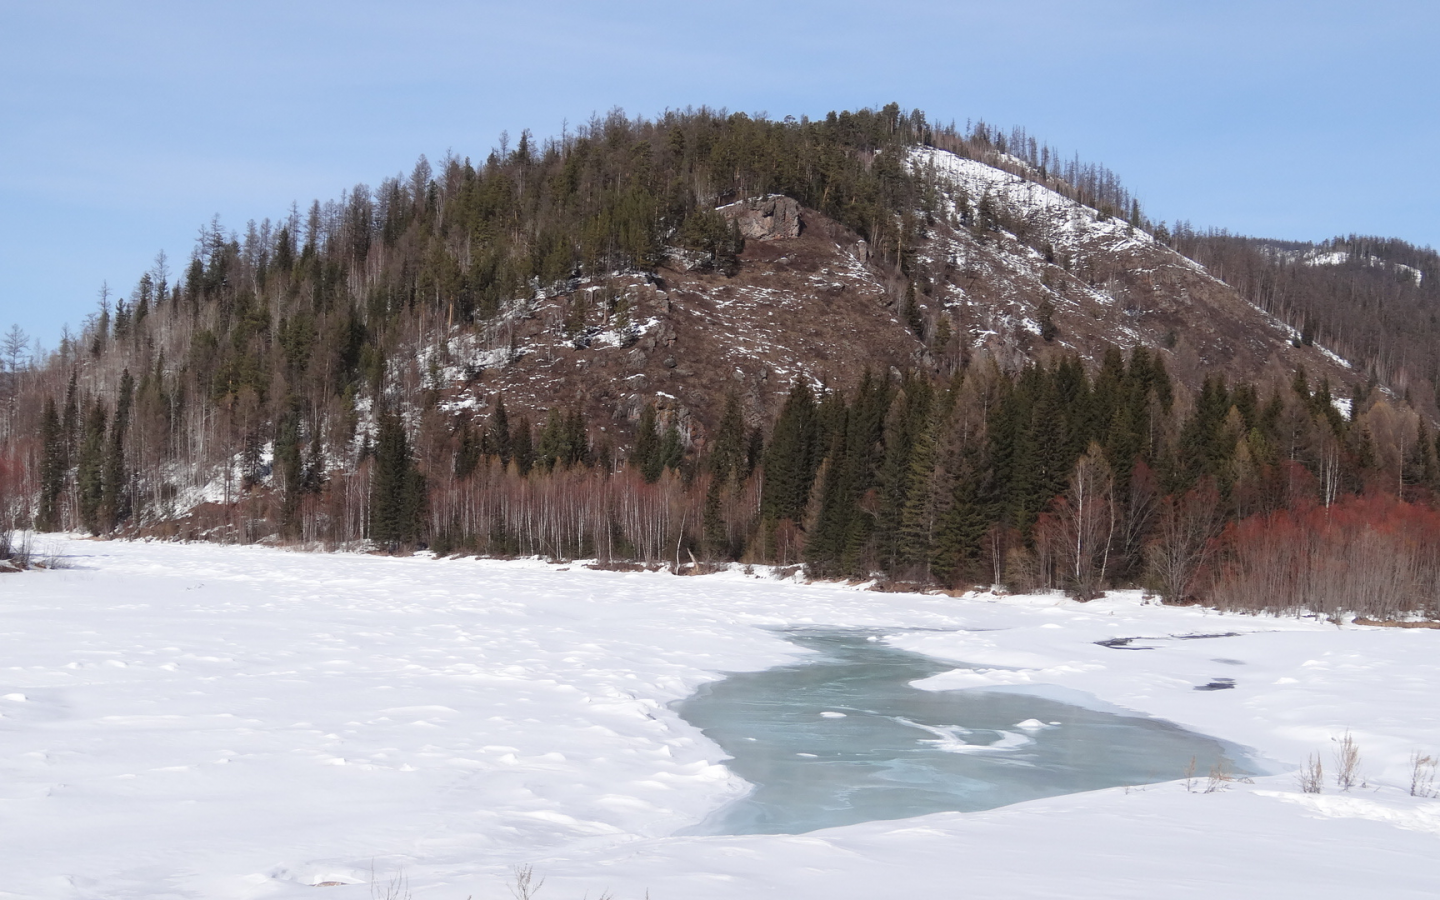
(1052, 477)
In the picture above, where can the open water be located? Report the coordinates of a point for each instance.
(842, 737)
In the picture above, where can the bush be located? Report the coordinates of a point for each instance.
(1371, 555)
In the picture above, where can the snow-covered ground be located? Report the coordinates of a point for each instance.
(221, 722)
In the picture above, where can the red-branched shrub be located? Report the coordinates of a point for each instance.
(1371, 555)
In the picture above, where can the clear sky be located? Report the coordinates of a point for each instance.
(125, 127)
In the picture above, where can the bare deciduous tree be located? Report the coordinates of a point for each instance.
(1085, 524)
(1184, 537)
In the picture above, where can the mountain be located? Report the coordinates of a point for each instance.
(865, 343)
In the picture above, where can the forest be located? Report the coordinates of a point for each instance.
(270, 391)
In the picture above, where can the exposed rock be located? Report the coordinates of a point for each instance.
(772, 218)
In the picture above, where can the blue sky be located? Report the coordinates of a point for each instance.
(125, 127)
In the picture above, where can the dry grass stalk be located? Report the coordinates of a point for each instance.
(1347, 763)
(1190, 776)
(1312, 775)
(1422, 775)
(397, 888)
(525, 887)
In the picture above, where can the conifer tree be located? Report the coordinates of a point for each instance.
(497, 433)
(646, 456)
(963, 524)
(522, 446)
(551, 449)
(397, 489)
(576, 444)
(115, 480)
(791, 459)
(289, 469)
(70, 422)
(726, 466)
(90, 468)
(919, 515)
(1420, 466)
(52, 468)
(727, 452)
(467, 455)
(672, 448)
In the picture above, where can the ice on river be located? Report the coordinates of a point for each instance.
(222, 722)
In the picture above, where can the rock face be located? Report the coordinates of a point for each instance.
(772, 218)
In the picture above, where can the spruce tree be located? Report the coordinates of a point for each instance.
(115, 480)
(467, 455)
(522, 446)
(397, 488)
(646, 457)
(672, 448)
(550, 451)
(726, 461)
(497, 434)
(791, 459)
(576, 443)
(52, 468)
(70, 423)
(90, 468)
(289, 469)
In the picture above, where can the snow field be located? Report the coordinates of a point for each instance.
(223, 722)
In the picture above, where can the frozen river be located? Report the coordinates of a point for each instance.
(239, 723)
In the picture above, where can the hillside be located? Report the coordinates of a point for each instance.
(997, 256)
(864, 343)
(1371, 299)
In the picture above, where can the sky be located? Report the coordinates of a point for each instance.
(125, 128)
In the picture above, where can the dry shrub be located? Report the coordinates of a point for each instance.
(1219, 778)
(1347, 763)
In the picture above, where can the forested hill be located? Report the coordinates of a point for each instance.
(1373, 300)
(866, 343)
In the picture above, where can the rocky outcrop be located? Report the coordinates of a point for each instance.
(772, 218)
